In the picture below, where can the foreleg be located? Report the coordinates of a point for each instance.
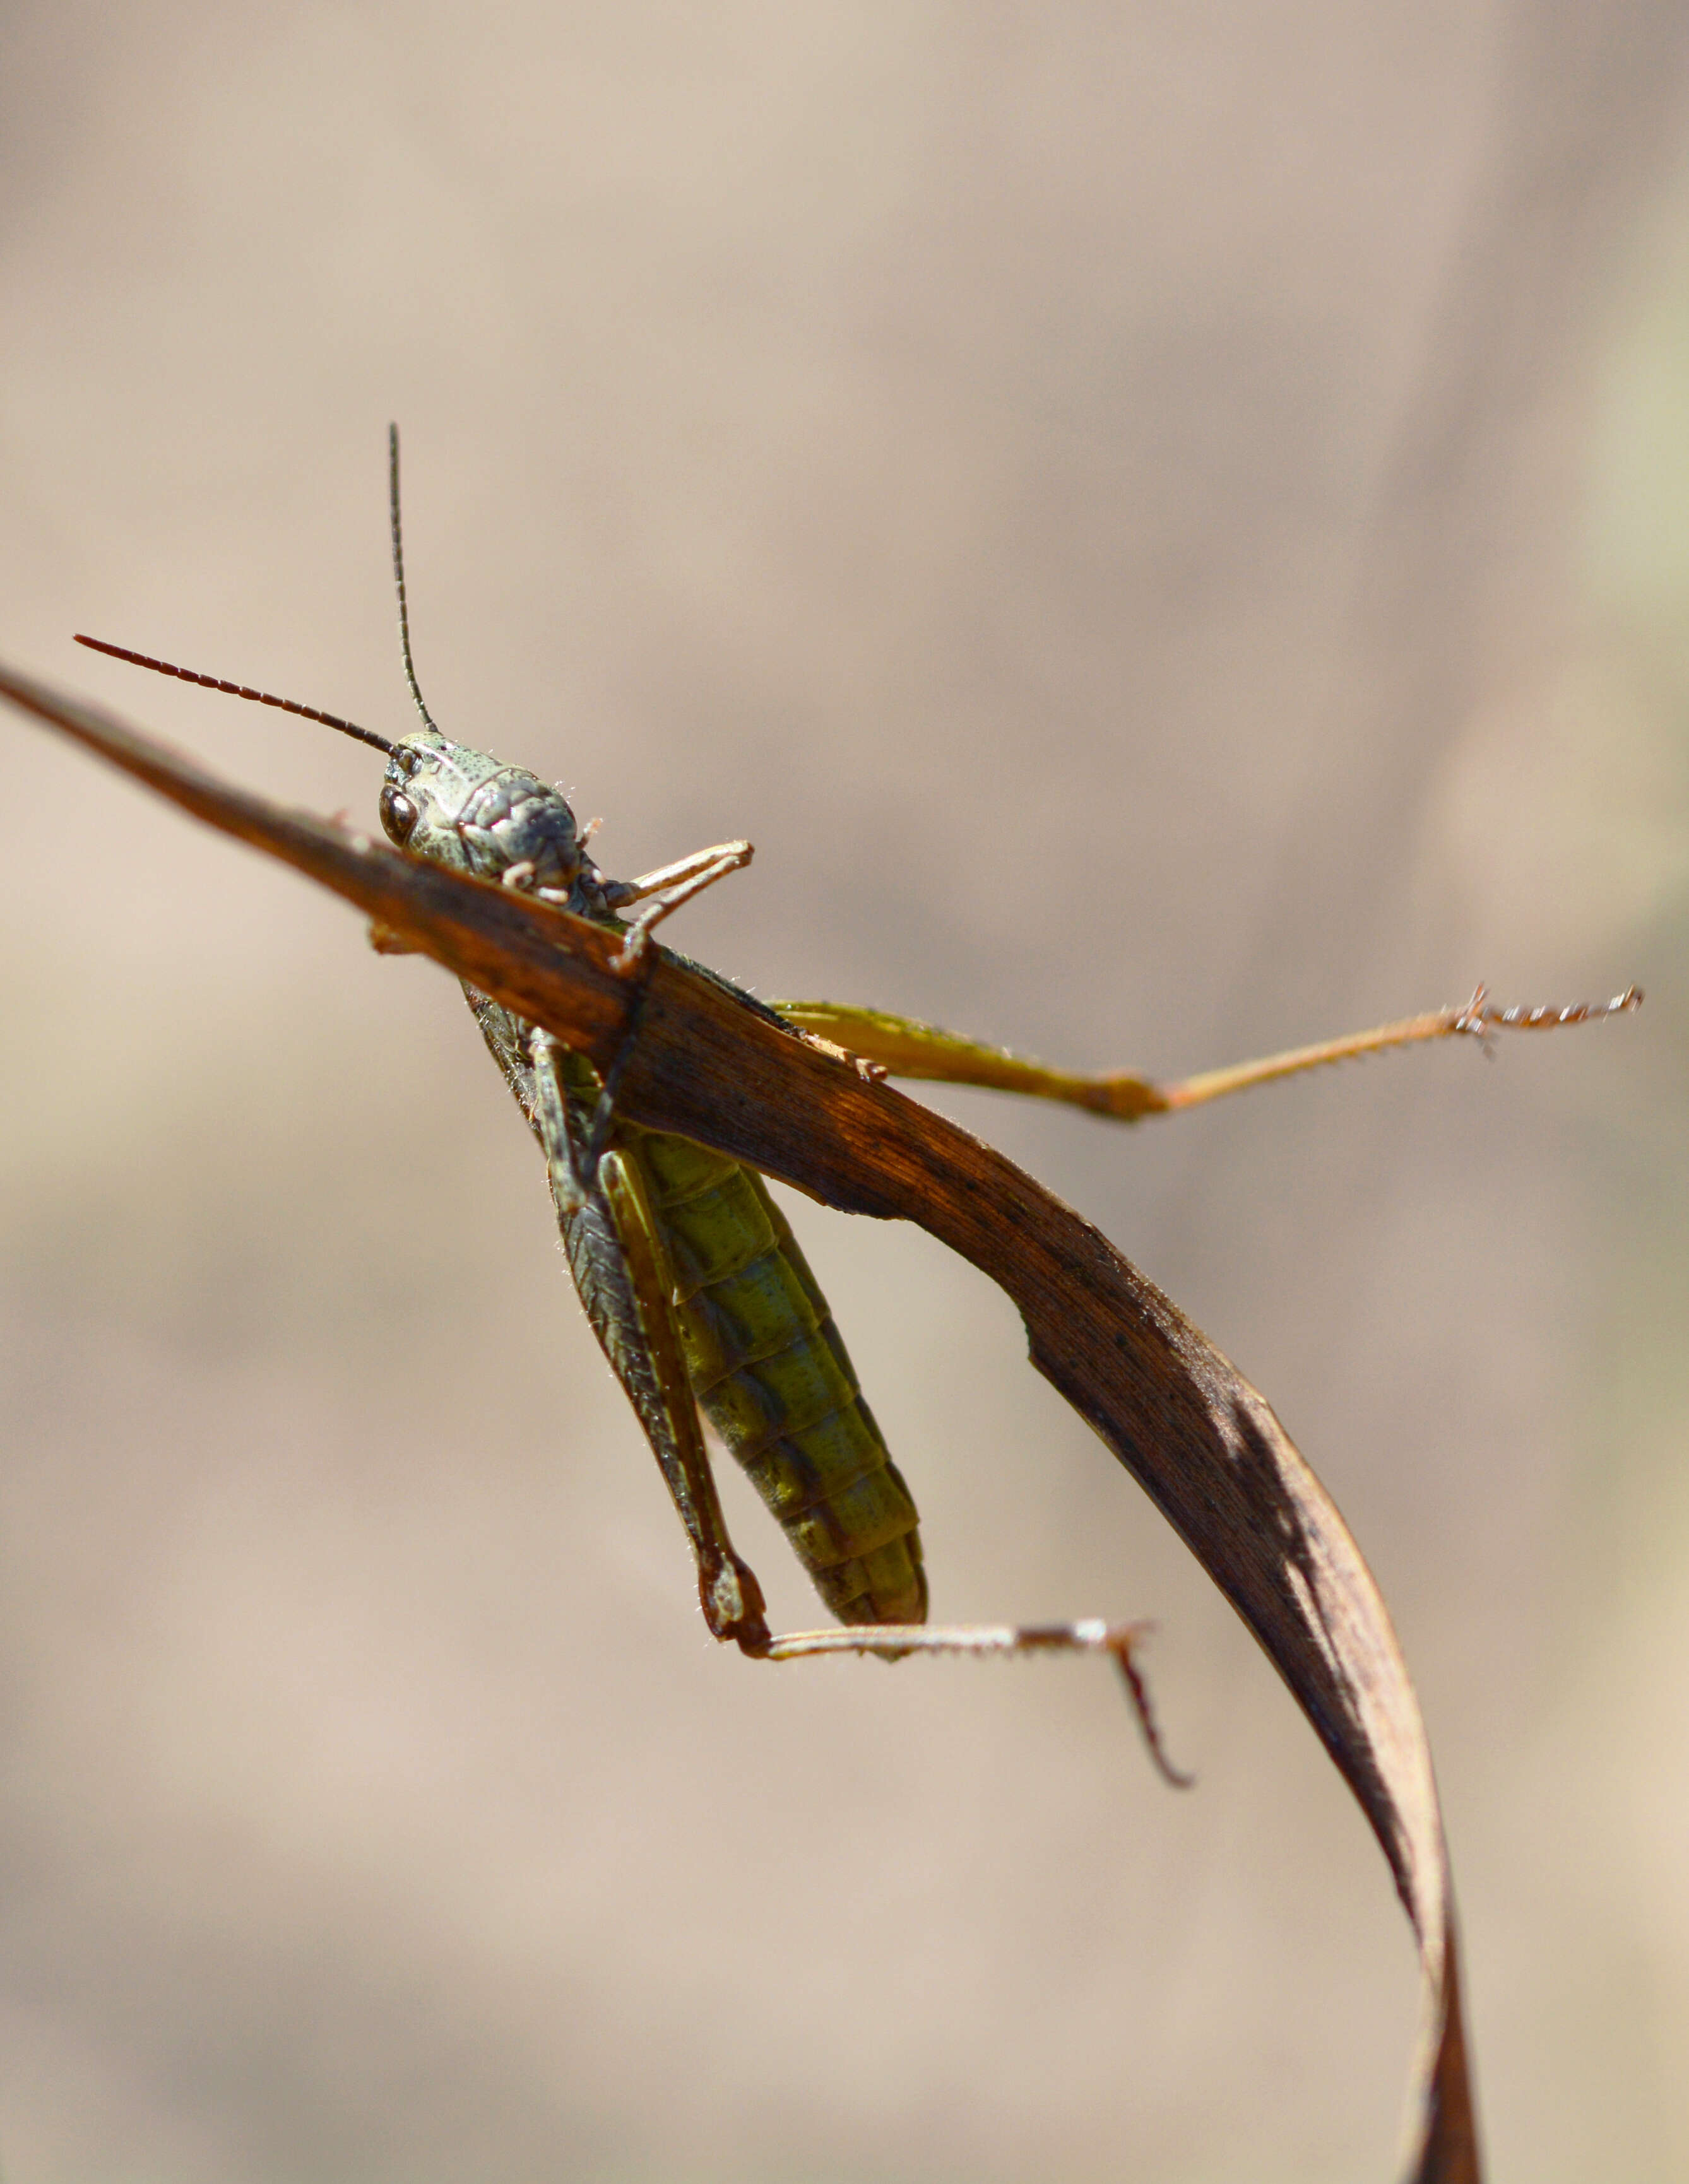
(665, 890)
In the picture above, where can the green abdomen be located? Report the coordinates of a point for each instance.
(772, 1375)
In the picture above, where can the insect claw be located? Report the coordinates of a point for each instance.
(1471, 1017)
(388, 940)
(871, 1072)
(629, 959)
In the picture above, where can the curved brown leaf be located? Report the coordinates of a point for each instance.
(713, 1064)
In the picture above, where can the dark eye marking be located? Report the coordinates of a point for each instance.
(399, 815)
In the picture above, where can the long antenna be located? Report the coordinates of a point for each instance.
(240, 690)
(399, 579)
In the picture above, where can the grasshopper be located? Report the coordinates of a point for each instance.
(688, 1271)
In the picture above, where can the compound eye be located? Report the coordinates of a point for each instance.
(399, 815)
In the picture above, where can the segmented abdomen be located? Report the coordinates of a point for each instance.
(772, 1375)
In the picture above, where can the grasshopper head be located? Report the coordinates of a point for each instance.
(464, 808)
(440, 799)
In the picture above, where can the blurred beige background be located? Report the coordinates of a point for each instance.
(1169, 527)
